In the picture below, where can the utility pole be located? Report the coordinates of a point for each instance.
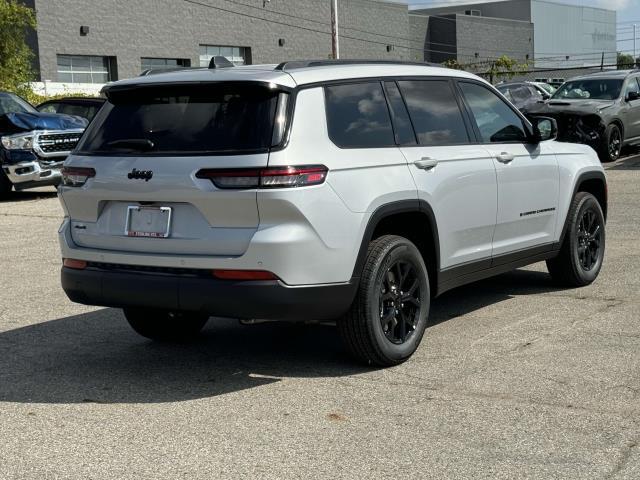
(634, 43)
(335, 42)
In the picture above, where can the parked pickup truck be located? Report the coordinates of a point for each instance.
(33, 145)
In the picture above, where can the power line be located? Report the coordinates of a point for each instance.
(457, 53)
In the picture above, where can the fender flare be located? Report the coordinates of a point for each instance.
(394, 208)
(591, 175)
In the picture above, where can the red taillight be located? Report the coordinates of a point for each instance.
(243, 275)
(272, 177)
(75, 264)
(77, 176)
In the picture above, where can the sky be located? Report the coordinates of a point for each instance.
(628, 14)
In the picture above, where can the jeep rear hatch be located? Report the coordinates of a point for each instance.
(146, 147)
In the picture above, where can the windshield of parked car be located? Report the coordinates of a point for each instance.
(193, 119)
(594, 89)
(550, 89)
(10, 103)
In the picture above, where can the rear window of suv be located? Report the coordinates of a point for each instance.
(184, 119)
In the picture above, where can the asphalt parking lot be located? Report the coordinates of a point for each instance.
(514, 379)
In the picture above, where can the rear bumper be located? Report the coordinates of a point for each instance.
(272, 300)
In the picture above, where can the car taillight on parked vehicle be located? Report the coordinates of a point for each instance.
(77, 176)
(271, 177)
(74, 263)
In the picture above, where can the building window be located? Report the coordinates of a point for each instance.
(237, 55)
(83, 69)
(153, 63)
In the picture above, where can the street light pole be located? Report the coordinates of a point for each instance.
(634, 43)
(335, 42)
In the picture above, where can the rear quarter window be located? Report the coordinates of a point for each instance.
(358, 116)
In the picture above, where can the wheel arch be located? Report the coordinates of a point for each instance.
(595, 183)
(412, 219)
(618, 123)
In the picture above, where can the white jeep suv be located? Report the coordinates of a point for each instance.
(351, 191)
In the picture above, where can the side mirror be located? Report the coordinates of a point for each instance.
(631, 96)
(544, 128)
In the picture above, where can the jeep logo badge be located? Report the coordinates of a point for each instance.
(140, 175)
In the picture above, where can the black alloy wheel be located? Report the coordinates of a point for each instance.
(589, 236)
(399, 302)
(389, 315)
(581, 255)
(615, 144)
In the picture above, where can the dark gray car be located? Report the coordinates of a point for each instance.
(601, 110)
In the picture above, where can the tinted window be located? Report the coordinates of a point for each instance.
(85, 111)
(193, 119)
(401, 123)
(494, 118)
(48, 108)
(357, 115)
(434, 111)
(632, 86)
(10, 103)
(599, 89)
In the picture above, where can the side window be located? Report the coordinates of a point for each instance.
(358, 116)
(401, 122)
(51, 108)
(434, 112)
(632, 86)
(72, 109)
(495, 119)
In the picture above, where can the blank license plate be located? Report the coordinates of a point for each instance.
(151, 222)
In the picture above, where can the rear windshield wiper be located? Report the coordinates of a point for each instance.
(140, 144)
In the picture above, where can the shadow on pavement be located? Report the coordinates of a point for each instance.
(28, 195)
(95, 357)
(626, 164)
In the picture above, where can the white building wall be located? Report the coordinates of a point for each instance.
(583, 33)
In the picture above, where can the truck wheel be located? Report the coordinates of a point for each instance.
(389, 314)
(5, 185)
(164, 325)
(582, 251)
(611, 144)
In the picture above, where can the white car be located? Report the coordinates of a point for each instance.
(320, 190)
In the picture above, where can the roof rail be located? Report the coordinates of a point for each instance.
(220, 62)
(155, 71)
(291, 65)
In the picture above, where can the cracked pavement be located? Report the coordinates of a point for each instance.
(515, 378)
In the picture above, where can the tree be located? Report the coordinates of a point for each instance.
(505, 67)
(625, 61)
(453, 63)
(15, 56)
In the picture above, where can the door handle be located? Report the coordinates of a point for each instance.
(505, 157)
(426, 163)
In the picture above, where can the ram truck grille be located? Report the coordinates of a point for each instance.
(58, 142)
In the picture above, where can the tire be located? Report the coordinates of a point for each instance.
(611, 145)
(394, 292)
(165, 326)
(582, 252)
(5, 185)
